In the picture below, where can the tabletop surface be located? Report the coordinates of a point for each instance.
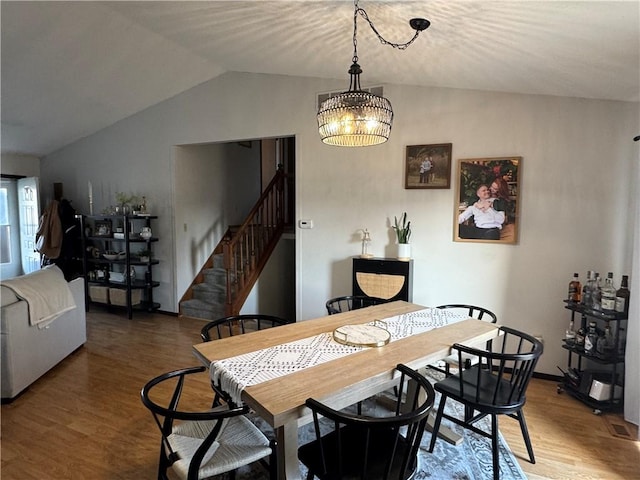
(343, 381)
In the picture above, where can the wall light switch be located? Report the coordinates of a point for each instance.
(305, 223)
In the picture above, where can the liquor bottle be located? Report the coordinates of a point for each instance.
(575, 289)
(609, 340)
(622, 340)
(591, 339)
(622, 297)
(596, 294)
(570, 333)
(587, 289)
(608, 299)
(605, 342)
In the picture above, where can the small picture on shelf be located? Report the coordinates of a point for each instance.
(102, 228)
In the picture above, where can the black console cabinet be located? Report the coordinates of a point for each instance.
(386, 278)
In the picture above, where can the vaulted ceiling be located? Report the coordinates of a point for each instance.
(70, 69)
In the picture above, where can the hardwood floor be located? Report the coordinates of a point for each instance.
(84, 418)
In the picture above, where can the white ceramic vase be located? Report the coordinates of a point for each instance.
(146, 233)
(404, 252)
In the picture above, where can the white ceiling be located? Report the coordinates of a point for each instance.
(70, 69)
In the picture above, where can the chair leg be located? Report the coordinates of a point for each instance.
(494, 447)
(525, 435)
(436, 424)
(273, 460)
(163, 464)
(468, 413)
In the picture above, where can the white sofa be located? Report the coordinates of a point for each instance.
(27, 351)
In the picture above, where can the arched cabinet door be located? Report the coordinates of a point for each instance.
(386, 278)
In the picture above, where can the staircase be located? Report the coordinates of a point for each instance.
(227, 277)
(209, 295)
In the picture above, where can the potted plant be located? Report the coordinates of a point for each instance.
(403, 233)
(144, 255)
(124, 202)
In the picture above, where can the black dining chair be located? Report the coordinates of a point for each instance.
(351, 302)
(199, 441)
(495, 385)
(472, 311)
(381, 446)
(238, 325)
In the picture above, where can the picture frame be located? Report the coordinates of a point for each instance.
(102, 228)
(487, 201)
(428, 166)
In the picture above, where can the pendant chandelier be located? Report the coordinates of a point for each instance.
(357, 118)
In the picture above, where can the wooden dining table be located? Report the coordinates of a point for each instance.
(340, 382)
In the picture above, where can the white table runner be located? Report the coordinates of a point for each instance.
(236, 373)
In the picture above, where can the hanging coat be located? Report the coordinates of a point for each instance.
(49, 234)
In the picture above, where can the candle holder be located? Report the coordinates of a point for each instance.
(366, 240)
(90, 198)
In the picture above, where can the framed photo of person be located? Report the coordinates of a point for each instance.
(428, 166)
(487, 201)
(102, 228)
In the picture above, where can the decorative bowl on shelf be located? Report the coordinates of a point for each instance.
(114, 255)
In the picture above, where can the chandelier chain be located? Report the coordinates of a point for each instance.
(355, 32)
(363, 14)
(358, 118)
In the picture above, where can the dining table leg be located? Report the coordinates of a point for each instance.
(288, 465)
(445, 432)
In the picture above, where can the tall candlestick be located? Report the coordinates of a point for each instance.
(90, 199)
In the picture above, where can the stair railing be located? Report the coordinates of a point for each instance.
(247, 250)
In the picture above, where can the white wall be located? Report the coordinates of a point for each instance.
(578, 159)
(14, 164)
(215, 186)
(274, 292)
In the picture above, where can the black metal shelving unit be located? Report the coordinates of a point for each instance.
(103, 241)
(610, 365)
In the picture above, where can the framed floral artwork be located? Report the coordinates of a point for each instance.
(428, 166)
(487, 198)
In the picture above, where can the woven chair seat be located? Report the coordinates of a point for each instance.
(198, 441)
(240, 443)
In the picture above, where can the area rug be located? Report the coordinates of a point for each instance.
(471, 460)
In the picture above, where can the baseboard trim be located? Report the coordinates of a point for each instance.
(547, 376)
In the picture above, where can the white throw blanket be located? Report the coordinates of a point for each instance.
(46, 292)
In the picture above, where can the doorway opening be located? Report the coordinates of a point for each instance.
(215, 187)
